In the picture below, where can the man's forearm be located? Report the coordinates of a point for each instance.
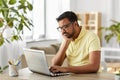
(82, 69)
(60, 56)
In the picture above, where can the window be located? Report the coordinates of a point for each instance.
(44, 16)
(38, 18)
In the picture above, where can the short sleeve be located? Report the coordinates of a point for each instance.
(94, 43)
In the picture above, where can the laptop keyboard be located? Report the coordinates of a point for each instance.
(59, 74)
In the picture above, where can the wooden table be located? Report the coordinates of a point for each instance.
(25, 74)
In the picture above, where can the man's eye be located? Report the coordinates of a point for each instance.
(65, 26)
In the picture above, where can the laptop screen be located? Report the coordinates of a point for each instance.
(36, 61)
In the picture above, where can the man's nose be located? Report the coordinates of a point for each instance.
(63, 30)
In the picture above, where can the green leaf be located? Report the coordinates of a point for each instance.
(30, 23)
(15, 37)
(30, 7)
(1, 24)
(118, 38)
(5, 13)
(1, 40)
(5, 67)
(1, 71)
(0, 2)
(5, 3)
(112, 27)
(24, 10)
(26, 25)
(7, 40)
(20, 37)
(15, 11)
(10, 22)
(20, 27)
(22, 2)
(27, 20)
(21, 6)
(11, 2)
(0, 67)
(108, 37)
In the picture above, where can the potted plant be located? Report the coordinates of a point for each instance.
(13, 17)
(113, 31)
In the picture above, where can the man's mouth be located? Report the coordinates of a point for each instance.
(65, 34)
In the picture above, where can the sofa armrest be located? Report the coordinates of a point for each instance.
(48, 49)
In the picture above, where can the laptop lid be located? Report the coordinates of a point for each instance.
(36, 61)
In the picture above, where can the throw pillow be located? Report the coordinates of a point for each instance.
(56, 46)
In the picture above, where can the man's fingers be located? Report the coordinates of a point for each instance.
(54, 69)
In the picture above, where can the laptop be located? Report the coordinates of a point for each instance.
(37, 62)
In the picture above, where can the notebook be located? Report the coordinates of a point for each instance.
(37, 62)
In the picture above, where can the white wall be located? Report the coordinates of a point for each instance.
(116, 10)
(103, 6)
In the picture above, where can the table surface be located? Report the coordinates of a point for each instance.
(26, 74)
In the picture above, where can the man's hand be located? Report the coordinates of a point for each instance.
(56, 69)
(65, 38)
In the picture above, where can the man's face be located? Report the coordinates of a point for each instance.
(67, 28)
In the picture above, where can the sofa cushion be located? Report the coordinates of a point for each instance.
(48, 49)
(56, 46)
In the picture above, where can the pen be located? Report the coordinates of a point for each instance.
(15, 62)
(18, 63)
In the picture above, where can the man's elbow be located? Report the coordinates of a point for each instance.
(95, 69)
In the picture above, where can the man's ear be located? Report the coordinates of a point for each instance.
(76, 23)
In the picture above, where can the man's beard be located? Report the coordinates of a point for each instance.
(69, 35)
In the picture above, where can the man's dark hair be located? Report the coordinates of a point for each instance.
(71, 16)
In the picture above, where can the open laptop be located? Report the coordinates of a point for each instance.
(37, 62)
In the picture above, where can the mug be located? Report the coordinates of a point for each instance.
(13, 70)
(117, 77)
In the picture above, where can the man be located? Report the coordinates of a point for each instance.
(80, 46)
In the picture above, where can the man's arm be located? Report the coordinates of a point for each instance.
(93, 66)
(60, 56)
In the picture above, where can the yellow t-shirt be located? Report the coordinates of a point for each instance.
(78, 50)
